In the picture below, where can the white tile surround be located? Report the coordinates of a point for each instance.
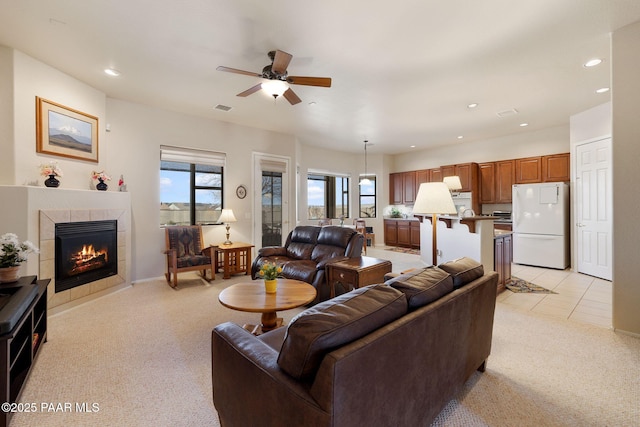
(32, 215)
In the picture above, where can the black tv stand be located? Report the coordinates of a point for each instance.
(20, 346)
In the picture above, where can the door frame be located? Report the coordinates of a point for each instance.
(257, 169)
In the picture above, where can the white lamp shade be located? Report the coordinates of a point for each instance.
(227, 216)
(274, 87)
(434, 198)
(453, 182)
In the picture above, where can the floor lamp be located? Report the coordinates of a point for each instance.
(434, 199)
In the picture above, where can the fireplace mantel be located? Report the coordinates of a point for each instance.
(32, 215)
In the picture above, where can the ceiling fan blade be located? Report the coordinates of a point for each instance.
(291, 96)
(281, 62)
(310, 81)
(236, 71)
(251, 90)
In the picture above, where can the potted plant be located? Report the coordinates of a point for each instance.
(101, 177)
(12, 254)
(270, 272)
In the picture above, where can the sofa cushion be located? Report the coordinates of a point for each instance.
(302, 241)
(333, 323)
(423, 286)
(300, 269)
(463, 270)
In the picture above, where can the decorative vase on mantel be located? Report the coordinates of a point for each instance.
(102, 186)
(9, 274)
(51, 182)
(270, 286)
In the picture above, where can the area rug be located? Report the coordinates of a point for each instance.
(522, 286)
(404, 250)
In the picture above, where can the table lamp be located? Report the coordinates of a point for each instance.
(454, 183)
(227, 216)
(433, 199)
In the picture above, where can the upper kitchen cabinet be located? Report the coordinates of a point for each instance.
(402, 188)
(487, 182)
(468, 173)
(555, 168)
(435, 175)
(528, 170)
(505, 177)
(422, 176)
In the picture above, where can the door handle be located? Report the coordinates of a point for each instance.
(580, 225)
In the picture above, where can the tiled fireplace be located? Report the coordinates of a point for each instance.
(33, 216)
(48, 221)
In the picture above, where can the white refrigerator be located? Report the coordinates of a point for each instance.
(541, 224)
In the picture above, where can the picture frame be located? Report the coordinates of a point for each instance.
(65, 132)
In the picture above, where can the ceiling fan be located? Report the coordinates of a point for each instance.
(277, 72)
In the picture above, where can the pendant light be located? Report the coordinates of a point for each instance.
(365, 180)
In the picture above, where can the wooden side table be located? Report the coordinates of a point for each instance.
(356, 272)
(232, 259)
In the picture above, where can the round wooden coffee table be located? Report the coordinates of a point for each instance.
(251, 297)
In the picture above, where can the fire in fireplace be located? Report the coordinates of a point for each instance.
(85, 252)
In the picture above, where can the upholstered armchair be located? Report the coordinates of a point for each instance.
(185, 252)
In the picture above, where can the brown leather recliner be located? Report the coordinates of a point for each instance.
(307, 251)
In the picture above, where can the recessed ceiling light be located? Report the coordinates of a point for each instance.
(460, 136)
(593, 62)
(412, 146)
(524, 124)
(112, 72)
(472, 105)
(602, 90)
(312, 103)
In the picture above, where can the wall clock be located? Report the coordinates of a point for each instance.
(241, 191)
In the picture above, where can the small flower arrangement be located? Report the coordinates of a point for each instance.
(12, 252)
(47, 169)
(100, 176)
(270, 271)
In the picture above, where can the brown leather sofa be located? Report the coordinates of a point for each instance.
(392, 354)
(307, 251)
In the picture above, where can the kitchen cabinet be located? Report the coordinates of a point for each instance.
(402, 232)
(396, 189)
(422, 176)
(402, 188)
(505, 178)
(528, 170)
(409, 187)
(448, 170)
(435, 175)
(502, 258)
(487, 182)
(555, 168)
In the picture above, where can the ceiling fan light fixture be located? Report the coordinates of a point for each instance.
(275, 88)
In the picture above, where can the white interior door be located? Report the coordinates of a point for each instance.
(271, 199)
(594, 208)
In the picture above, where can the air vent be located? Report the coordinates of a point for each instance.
(222, 107)
(507, 113)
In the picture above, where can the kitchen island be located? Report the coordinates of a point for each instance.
(459, 237)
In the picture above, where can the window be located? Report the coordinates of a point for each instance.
(191, 183)
(368, 198)
(327, 196)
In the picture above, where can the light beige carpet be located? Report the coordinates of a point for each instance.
(143, 356)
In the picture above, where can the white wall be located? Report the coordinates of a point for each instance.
(626, 196)
(546, 141)
(7, 166)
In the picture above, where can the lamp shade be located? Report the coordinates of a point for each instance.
(434, 198)
(453, 182)
(227, 216)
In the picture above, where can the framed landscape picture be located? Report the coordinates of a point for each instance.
(63, 131)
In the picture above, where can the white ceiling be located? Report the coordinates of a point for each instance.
(403, 72)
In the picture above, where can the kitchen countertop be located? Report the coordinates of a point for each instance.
(498, 233)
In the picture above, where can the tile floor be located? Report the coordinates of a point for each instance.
(579, 298)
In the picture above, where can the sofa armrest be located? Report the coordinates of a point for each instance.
(245, 374)
(272, 251)
(323, 263)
